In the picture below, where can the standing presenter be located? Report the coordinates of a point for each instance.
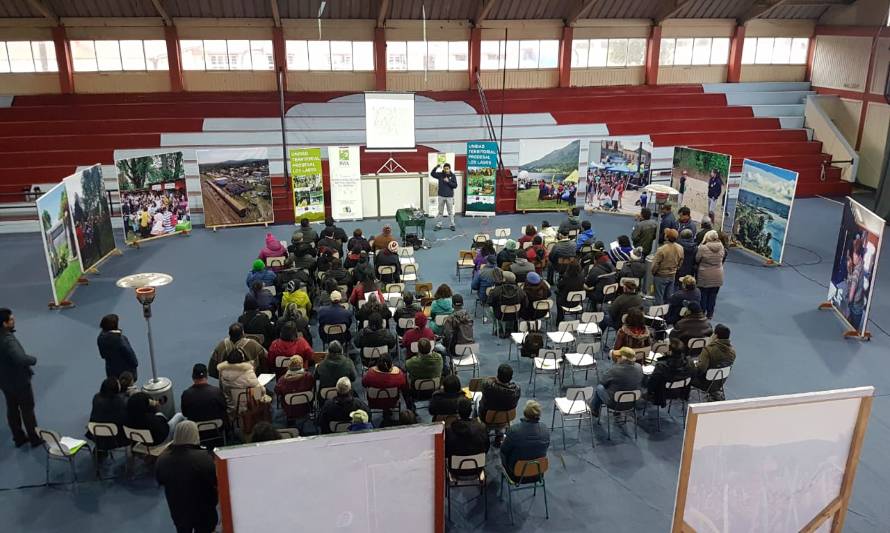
(447, 183)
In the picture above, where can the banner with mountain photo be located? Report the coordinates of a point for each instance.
(701, 178)
(59, 241)
(154, 200)
(236, 188)
(616, 173)
(305, 174)
(482, 168)
(92, 215)
(763, 209)
(548, 174)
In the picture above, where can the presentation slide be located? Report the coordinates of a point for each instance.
(389, 121)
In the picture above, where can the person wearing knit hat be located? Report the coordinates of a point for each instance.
(667, 261)
(259, 272)
(535, 289)
(527, 439)
(624, 375)
(389, 257)
(533, 278)
(188, 474)
(507, 255)
(294, 381)
(359, 421)
(273, 249)
(419, 331)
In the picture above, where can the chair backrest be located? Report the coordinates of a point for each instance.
(586, 249)
(657, 310)
(334, 329)
(501, 233)
(531, 468)
(465, 256)
(440, 319)
(413, 347)
(209, 425)
(282, 361)
(299, 398)
(573, 233)
(481, 238)
(139, 436)
(550, 353)
(587, 348)
(495, 418)
(339, 427)
(406, 251)
(643, 353)
(288, 433)
(406, 323)
(373, 352)
(275, 261)
(510, 309)
(527, 244)
(395, 287)
(344, 289)
(52, 442)
(461, 350)
(425, 384)
(423, 288)
(575, 297)
(579, 394)
(382, 394)
(102, 429)
(542, 305)
(409, 271)
(456, 463)
(626, 399)
(386, 270)
(620, 265)
(568, 325)
(661, 347)
(679, 384)
(696, 343)
(271, 289)
(366, 323)
(529, 325)
(611, 288)
(259, 337)
(588, 317)
(327, 393)
(717, 374)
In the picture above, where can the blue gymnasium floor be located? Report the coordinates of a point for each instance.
(784, 345)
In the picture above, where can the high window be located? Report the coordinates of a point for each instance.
(531, 54)
(608, 53)
(106, 55)
(28, 56)
(427, 55)
(222, 54)
(330, 55)
(694, 51)
(775, 51)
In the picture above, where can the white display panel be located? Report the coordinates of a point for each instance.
(346, 182)
(389, 121)
(342, 482)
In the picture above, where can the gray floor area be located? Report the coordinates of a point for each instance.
(784, 343)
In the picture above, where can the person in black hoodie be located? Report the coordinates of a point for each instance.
(687, 241)
(444, 401)
(142, 414)
(570, 281)
(375, 335)
(188, 474)
(256, 322)
(338, 232)
(499, 394)
(358, 241)
(601, 273)
(115, 348)
(109, 407)
(202, 401)
(466, 436)
(329, 242)
(671, 367)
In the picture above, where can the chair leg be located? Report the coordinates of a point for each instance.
(47, 469)
(483, 488)
(546, 508)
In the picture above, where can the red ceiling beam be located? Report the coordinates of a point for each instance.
(565, 57)
(653, 50)
(380, 59)
(63, 59)
(174, 59)
(736, 46)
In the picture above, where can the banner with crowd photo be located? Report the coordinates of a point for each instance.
(305, 175)
(701, 178)
(856, 264)
(482, 168)
(91, 213)
(59, 241)
(154, 200)
(432, 161)
(548, 174)
(346, 182)
(763, 209)
(236, 188)
(617, 172)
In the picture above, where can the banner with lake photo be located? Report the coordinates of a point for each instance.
(235, 186)
(482, 168)
(346, 182)
(305, 174)
(154, 200)
(763, 208)
(548, 174)
(701, 177)
(59, 241)
(91, 214)
(616, 173)
(856, 264)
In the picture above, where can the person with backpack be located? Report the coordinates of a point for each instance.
(458, 328)
(505, 292)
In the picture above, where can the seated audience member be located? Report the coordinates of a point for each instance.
(142, 413)
(298, 295)
(109, 407)
(322, 296)
(507, 254)
(441, 306)
(521, 267)
(128, 384)
(384, 375)
(115, 349)
(360, 421)
(236, 340)
(338, 273)
(259, 272)
(670, 368)
(365, 286)
(687, 242)
(694, 324)
(236, 375)
(644, 232)
(466, 436)
(419, 331)
(570, 281)
(485, 278)
(408, 307)
(264, 432)
(547, 233)
(482, 253)
(458, 328)
(292, 313)
(601, 273)
(499, 394)
(628, 299)
(538, 255)
(358, 241)
(624, 375)
(334, 366)
(332, 314)
(364, 272)
(684, 221)
(634, 267)
(688, 293)
(256, 322)
(587, 235)
(528, 235)
(389, 257)
(536, 289)
(273, 248)
(381, 242)
(295, 380)
(406, 418)
(328, 244)
(633, 333)
(374, 335)
(339, 408)
(525, 440)
(309, 233)
(719, 353)
(427, 364)
(444, 401)
(561, 255)
(505, 292)
(188, 474)
(623, 251)
(354, 256)
(288, 344)
(202, 401)
(260, 297)
(338, 232)
(301, 253)
(374, 306)
(572, 223)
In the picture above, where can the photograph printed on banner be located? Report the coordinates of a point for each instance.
(235, 186)
(548, 174)
(855, 263)
(59, 240)
(154, 200)
(763, 208)
(701, 179)
(92, 215)
(617, 171)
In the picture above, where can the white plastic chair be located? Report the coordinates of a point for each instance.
(574, 406)
(548, 361)
(62, 448)
(500, 237)
(465, 357)
(625, 403)
(406, 255)
(467, 471)
(583, 359)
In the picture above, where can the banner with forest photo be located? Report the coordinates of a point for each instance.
(154, 200)
(91, 212)
(59, 241)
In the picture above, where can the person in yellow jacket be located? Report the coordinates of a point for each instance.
(297, 295)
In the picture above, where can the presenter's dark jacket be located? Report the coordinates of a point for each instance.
(15, 364)
(117, 352)
(447, 182)
(188, 476)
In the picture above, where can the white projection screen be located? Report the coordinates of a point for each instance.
(780, 463)
(345, 482)
(389, 121)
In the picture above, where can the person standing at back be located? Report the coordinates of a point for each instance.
(15, 382)
(645, 231)
(668, 259)
(115, 348)
(447, 184)
(188, 475)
